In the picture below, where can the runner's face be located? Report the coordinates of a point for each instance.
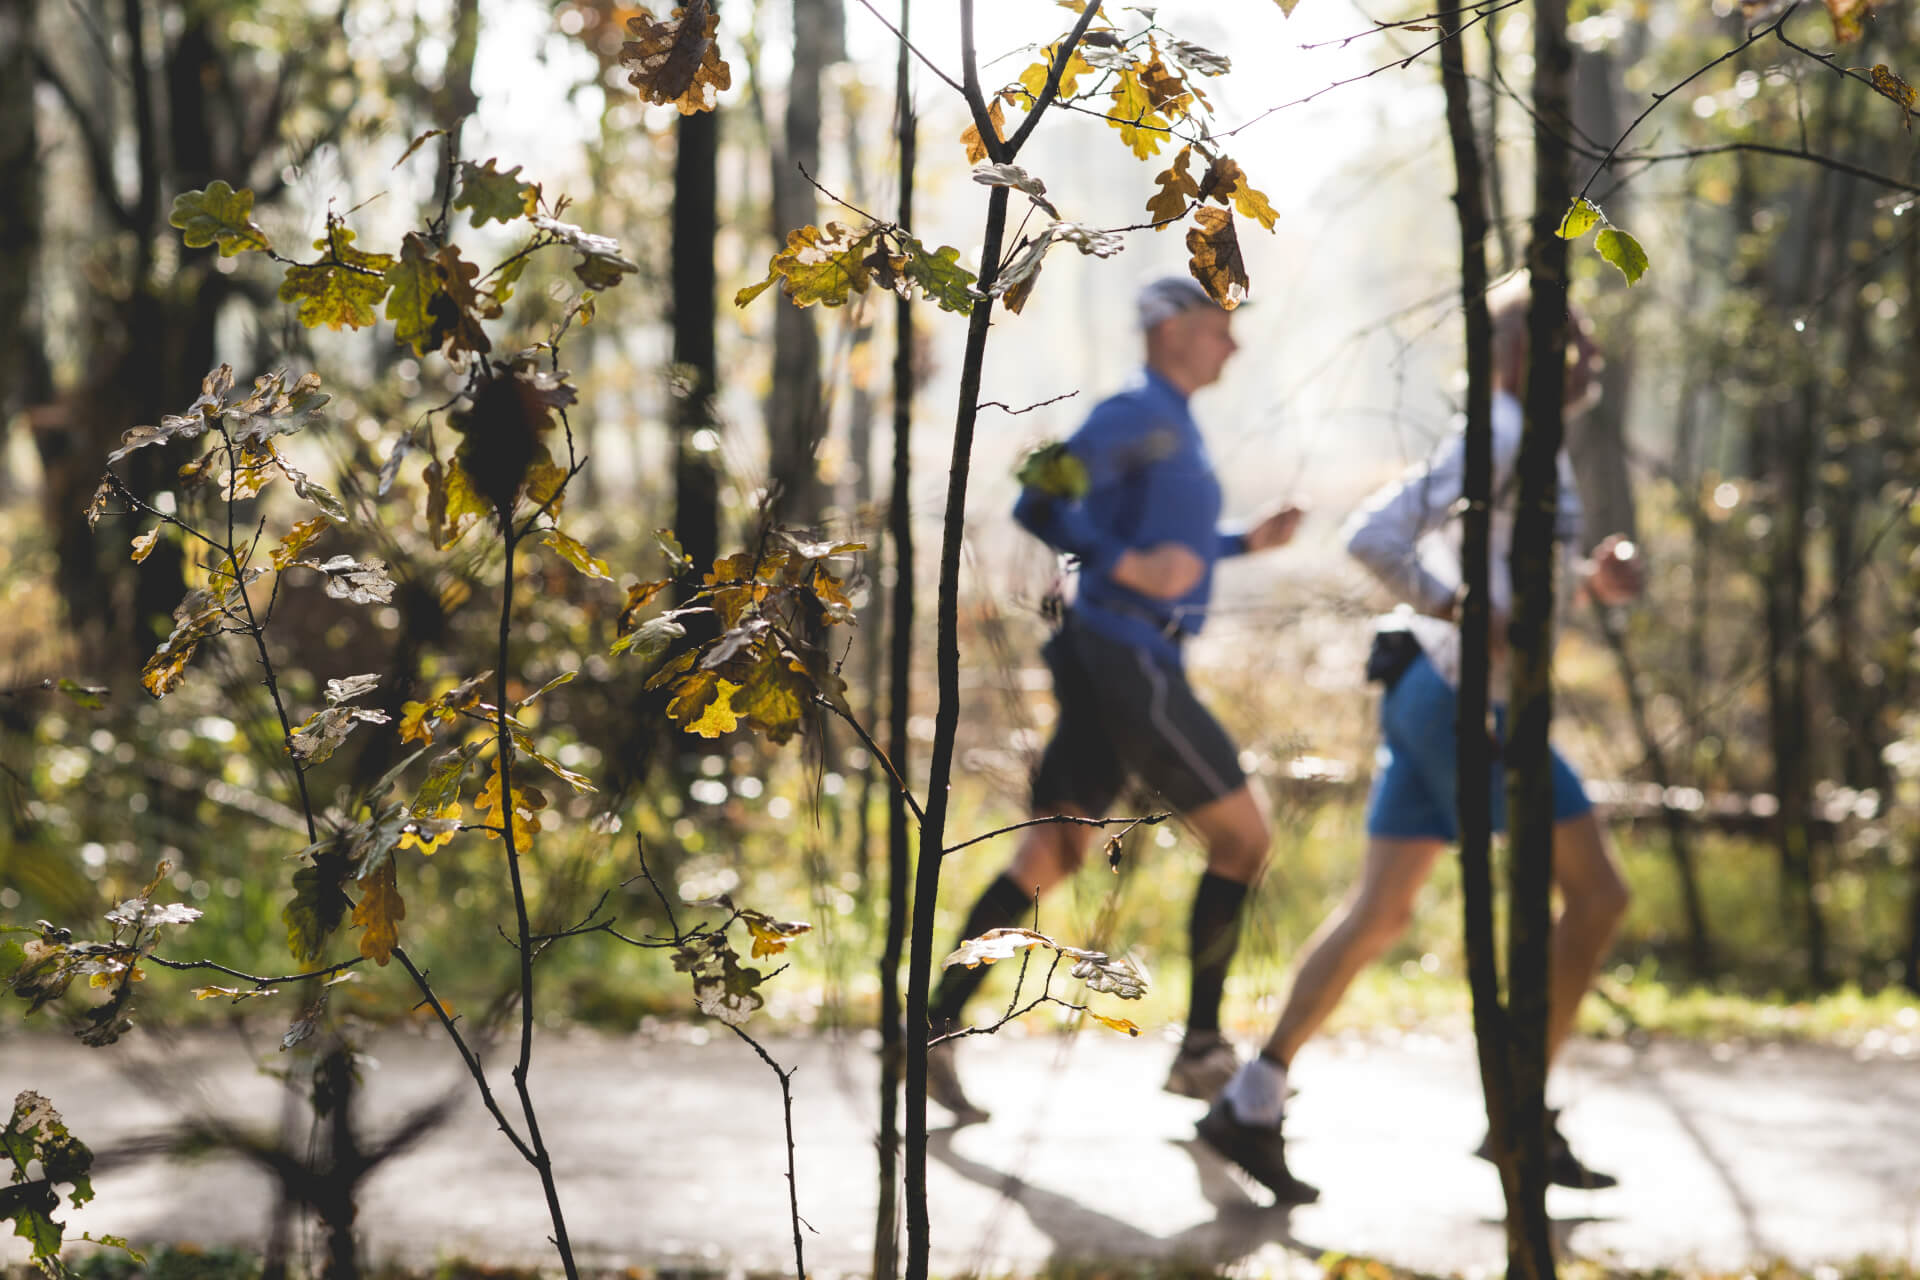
(1203, 340)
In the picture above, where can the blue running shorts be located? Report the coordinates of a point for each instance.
(1416, 771)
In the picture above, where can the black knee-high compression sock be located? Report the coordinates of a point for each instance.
(1003, 904)
(1213, 935)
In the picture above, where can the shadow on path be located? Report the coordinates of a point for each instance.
(1243, 1226)
(1656, 1085)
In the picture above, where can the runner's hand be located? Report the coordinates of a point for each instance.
(1613, 574)
(1275, 529)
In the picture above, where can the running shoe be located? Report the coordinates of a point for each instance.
(1203, 1066)
(1261, 1151)
(1564, 1169)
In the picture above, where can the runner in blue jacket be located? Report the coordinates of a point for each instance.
(1146, 531)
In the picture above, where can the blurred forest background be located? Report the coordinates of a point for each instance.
(1751, 722)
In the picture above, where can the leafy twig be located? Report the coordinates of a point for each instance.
(1753, 37)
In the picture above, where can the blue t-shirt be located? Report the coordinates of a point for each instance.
(1150, 481)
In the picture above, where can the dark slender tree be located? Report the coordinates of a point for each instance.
(1529, 777)
(900, 827)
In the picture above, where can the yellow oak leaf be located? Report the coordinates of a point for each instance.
(719, 717)
(380, 911)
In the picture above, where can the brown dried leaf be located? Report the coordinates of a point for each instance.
(1214, 249)
(677, 63)
(976, 147)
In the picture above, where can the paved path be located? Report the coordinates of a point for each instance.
(671, 1155)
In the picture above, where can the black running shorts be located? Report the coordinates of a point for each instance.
(1124, 715)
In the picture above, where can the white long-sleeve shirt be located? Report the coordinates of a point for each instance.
(1406, 535)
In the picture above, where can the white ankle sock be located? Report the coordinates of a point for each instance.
(1258, 1092)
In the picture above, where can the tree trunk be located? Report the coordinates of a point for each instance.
(1472, 746)
(1597, 439)
(696, 221)
(1786, 684)
(886, 1237)
(796, 413)
(19, 211)
(1529, 777)
(456, 100)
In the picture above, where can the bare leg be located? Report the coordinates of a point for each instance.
(1375, 913)
(1049, 853)
(1594, 897)
(1235, 832)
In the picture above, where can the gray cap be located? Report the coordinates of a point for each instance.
(1167, 297)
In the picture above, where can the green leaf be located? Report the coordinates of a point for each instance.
(651, 638)
(413, 288)
(576, 554)
(342, 289)
(939, 276)
(317, 908)
(1580, 219)
(1052, 470)
(670, 547)
(445, 777)
(722, 987)
(36, 1132)
(91, 696)
(218, 215)
(825, 265)
(777, 691)
(1623, 251)
(494, 196)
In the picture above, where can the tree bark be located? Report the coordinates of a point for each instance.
(1529, 778)
(1597, 439)
(19, 210)
(886, 1237)
(696, 222)
(796, 412)
(1473, 796)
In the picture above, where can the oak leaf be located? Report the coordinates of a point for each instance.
(1213, 247)
(490, 195)
(1177, 191)
(316, 909)
(718, 717)
(576, 554)
(970, 136)
(218, 215)
(342, 289)
(677, 63)
(297, 540)
(1890, 85)
(379, 912)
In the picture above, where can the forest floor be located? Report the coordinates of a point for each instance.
(671, 1154)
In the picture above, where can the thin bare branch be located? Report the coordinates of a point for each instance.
(925, 61)
(1067, 819)
(1001, 405)
(873, 747)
